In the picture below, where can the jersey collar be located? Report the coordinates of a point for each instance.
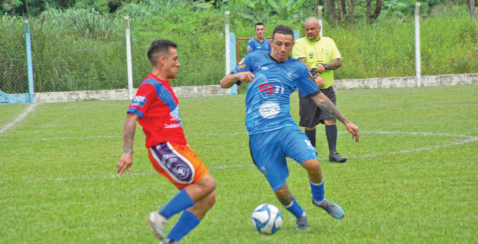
(276, 60)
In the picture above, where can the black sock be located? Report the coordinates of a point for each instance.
(311, 135)
(331, 132)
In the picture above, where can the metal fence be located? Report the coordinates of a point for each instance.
(72, 61)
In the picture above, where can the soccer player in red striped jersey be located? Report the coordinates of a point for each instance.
(156, 108)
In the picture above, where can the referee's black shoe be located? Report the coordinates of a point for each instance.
(336, 158)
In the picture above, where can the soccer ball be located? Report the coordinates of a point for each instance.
(267, 219)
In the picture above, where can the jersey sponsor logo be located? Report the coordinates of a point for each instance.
(271, 89)
(258, 46)
(269, 110)
(264, 68)
(139, 101)
(172, 126)
(241, 66)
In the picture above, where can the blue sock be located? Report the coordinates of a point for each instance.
(295, 208)
(178, 203)
(318, 191)
(186, 222)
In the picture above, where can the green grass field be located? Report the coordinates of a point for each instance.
(412, 178)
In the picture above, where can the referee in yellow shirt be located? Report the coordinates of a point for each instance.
(322, 57)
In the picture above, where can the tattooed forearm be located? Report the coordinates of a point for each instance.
(328, 106)
(335, 64)
(128, 134)
(303, 61)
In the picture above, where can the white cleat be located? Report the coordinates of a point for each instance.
(157, 223)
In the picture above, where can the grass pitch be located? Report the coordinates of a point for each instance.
(412, 178)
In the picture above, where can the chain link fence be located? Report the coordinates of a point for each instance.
(89, 58)
(13, 61)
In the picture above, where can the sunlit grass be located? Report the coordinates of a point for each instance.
(410, 179)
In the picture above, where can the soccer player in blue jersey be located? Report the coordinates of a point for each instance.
(273, 133)
(258, 42)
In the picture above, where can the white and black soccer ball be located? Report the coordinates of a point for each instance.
(267, 219)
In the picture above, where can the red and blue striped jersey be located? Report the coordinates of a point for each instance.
(158, 109)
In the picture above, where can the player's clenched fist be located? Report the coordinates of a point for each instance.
(245, 76)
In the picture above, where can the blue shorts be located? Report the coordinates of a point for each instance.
(270, 149)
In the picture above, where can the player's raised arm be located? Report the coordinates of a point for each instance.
(230, 79)
(328, 106)
(126, 159)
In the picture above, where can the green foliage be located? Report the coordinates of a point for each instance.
(82, 49)
(268, 11)
(410, 179)
(100, 5)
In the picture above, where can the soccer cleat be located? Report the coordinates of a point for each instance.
(331, 208)
(335, 157)
(302, 223)
(157, 223)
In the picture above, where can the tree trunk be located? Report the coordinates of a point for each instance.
(331, 10)
(378, 9)
(369, 8)
(317, 4)
(341, 7)
(351, 10)
(472, 10)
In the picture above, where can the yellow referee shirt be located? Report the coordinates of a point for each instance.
(316, 53)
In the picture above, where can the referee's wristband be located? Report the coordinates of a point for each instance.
(315, 75)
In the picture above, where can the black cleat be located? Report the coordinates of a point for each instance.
(335, 157)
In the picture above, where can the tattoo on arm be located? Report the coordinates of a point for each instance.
(329, 107)
(335, 64)
(303, 61)
(128, 135)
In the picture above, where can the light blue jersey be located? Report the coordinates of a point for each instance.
(268, 95)
(254, 45)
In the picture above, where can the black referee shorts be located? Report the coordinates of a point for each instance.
(310, 114)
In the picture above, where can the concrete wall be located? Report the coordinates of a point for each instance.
(395, 82)
(122, 94)
(215, 90)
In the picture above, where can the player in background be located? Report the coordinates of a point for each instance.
(273, 133)
(258, 42)
(321, 56)
(156, 108)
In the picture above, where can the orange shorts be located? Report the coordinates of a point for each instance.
(178, 163)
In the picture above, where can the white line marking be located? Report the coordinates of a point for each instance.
(230, 134)
(19, 118)
(468, 139)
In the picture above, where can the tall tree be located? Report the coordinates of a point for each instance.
(472, 10)
(351, 5)
(331, 10)
(378, 8)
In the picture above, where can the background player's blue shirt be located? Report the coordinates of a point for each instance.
(254, 45)
(268, 95)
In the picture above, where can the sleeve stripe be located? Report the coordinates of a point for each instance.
(135, 111)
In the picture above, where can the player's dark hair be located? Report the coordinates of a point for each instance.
(284, 30)
(258, 23)
(160, 48)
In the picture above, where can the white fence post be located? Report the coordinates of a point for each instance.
(129, 59)
(319, 18)
(418, 70)
(228, 54)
